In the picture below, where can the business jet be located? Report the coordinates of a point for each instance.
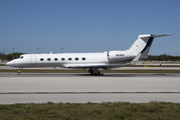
(91, 61)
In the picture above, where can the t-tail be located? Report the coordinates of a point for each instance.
(143, 44)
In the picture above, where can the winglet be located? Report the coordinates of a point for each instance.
(134, 61)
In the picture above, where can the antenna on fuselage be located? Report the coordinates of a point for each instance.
(38, 50)
(50, 52)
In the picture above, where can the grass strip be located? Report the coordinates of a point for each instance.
(86, 71)
(91, 111)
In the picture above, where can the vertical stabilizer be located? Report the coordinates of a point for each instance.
(143, 44)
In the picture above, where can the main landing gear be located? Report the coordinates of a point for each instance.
(19, 71)
(94, 71)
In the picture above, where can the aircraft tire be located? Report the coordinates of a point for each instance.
(18, 73)
(98, 73)
(92, 72)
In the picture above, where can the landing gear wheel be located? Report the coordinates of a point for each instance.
(94, 72)
(98, 73)
(18, 73)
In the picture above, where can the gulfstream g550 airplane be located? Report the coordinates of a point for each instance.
(90, 61)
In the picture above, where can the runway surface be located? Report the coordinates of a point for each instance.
(83, 88)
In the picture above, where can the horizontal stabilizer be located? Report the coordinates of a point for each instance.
(146, 36)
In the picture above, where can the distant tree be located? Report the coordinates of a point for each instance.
(163, 57)
(2, 56)
(9, 57)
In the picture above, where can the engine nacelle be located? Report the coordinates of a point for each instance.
(120, 56)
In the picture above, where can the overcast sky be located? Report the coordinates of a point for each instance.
(87, 25)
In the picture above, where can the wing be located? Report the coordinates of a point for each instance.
(93, 65)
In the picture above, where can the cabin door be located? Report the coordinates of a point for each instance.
(33, 60)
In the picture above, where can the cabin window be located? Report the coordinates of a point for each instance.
(69, 59)
(76, 59)
(55, 59)
(83, 58)
(49, 59)
(41, 59)
(62, 59)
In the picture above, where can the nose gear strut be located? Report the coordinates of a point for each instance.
(19, 71)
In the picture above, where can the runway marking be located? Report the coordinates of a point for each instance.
(89, 92)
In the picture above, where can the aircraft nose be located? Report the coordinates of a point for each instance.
(10, 63)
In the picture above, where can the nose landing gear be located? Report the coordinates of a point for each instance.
(19, 71)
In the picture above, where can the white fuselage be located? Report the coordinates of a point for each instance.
(73, 60)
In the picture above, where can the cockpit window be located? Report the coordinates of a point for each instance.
(21, 57)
